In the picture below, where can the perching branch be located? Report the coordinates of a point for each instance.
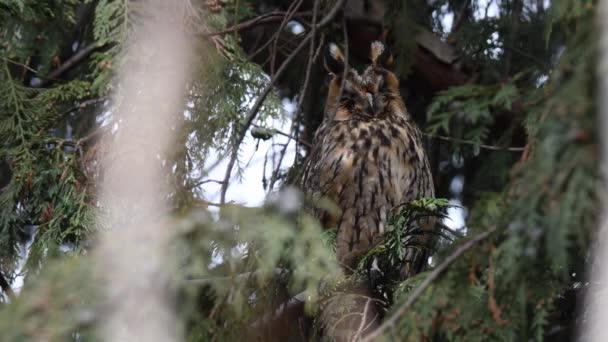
(434, 275)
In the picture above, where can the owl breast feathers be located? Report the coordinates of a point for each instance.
(367, 155)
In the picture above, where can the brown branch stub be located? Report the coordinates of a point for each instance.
(433, 276)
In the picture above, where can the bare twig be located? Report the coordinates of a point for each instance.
(24, 66)
(434, 275)
(258, 103)
(290, 136)
(332, 13)
(290, 11)
(259, 20)
(460, 18)
(69, 63)
(298, 110)
(278, 272)
(469, 142)
(207, 181)
(84, 104)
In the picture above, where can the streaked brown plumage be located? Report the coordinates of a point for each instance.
(367, 157)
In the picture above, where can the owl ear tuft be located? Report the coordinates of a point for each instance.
(381, 55)
(334, 59)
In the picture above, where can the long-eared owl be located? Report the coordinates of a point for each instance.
(367, 157)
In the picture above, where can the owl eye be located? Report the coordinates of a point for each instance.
(334, 59)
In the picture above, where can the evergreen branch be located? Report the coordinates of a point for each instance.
(470, 142)
(434, 275)
(258, 103)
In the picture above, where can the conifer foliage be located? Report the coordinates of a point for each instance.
(504, 91)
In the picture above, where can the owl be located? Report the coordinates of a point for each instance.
(367, 158)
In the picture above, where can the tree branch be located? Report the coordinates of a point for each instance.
(278, 272)
(462, 14)
(260, 20)
(469, 142)
(69, 63)
(434, 275)
(290, 11)
(84, 104)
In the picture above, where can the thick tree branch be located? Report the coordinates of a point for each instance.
(434, 275)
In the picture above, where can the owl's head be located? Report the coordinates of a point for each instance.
(369, 93)
(347, 93)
